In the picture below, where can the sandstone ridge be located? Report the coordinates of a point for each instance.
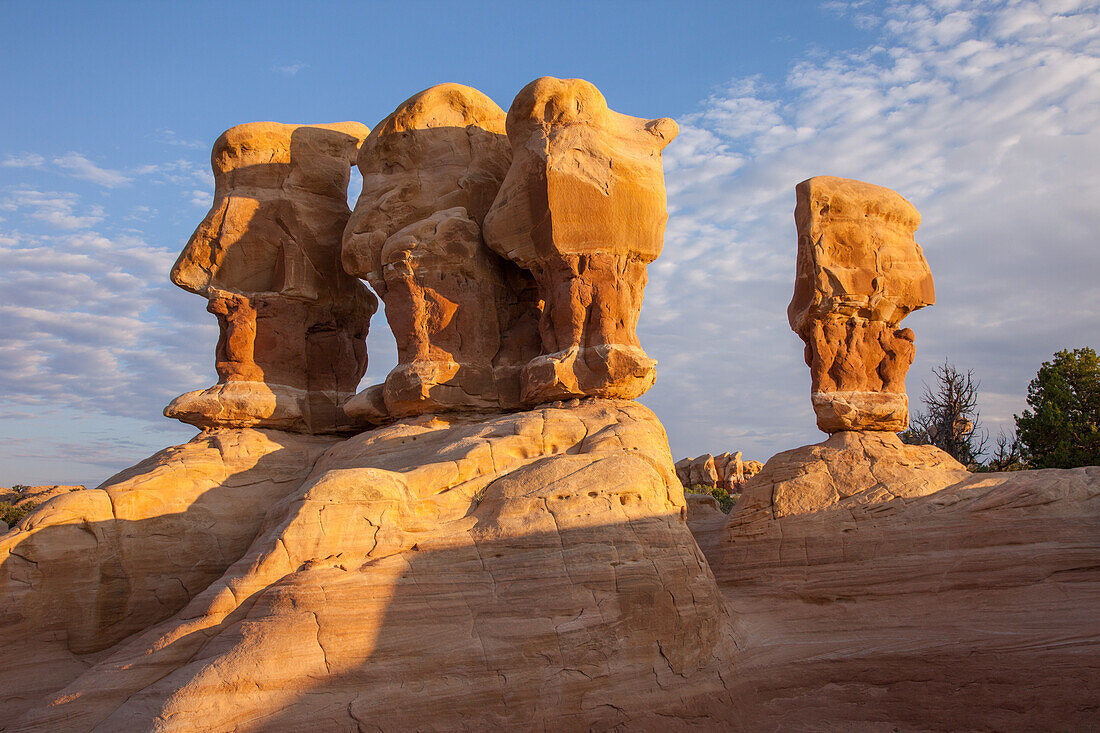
(531, 569)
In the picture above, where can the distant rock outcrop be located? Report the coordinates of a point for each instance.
(24, 495)
(726, 470)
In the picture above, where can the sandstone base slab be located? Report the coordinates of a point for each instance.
(538, 571)
(874, 411)
(900, 599)
(525, 571)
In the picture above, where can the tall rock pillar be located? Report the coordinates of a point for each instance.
(859, 272)
(267, 258)
(465, 319)
(583, 209)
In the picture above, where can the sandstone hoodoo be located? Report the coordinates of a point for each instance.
(267, 258)
(859, 273)
(725, 470)
(583, 209)
(465, 319)
(462, 548)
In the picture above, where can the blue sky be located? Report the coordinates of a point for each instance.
(986, 115)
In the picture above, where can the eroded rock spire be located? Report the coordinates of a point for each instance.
(267, 257)
(465, 319)
(859, 273)
(583, 209)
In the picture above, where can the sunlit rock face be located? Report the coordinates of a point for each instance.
(526, 570)
(583, 209)
(859, 272)
(293, 324)
(473, 564)
(465, 320)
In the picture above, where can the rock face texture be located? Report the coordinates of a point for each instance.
(849, 468)
(859, 273)
(536, 570)
(910, 595)
(88, 568)
(583, 209)
(465, 320)
(267, 258)
(727, 471)
(532, 569)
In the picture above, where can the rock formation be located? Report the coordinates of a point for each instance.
(851, 467)
(859, 273)
(19, 496)
(727, 471)
(267, 257)
(527, 570)
(902, 593)
(483, 569)
(465, 320)
(583, 209)
(89, 568)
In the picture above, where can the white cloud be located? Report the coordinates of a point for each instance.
(169, 137)
(179, 172)
(182, 174)
(58, 210)
(290, 69)
(986, 116)
(26, 160)
(91, 324)
(79, 166)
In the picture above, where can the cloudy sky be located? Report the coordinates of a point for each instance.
(986, 115)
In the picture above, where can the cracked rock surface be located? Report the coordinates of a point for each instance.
(540, 570)
(877, 586)
(527, 570)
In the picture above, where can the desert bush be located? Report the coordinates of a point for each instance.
(725, 499)
(12, 515)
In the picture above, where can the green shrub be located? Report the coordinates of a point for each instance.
(12, 515)
(725, 499)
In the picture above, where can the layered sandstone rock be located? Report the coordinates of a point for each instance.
(528, 570)
(465, 320)
(90, 567)
(884, 587)
(267, 257)
(583, 209)
(849, 468)
(859, 273)
(534, 570)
